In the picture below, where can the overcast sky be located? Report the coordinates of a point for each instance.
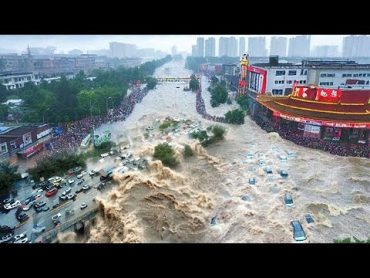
(65, 43)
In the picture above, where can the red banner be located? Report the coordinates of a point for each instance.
(328, 95)
(305, 92)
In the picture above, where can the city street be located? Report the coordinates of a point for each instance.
(43, 219)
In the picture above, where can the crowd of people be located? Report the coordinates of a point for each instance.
(201, 109)
(73, 133)
(333, 147)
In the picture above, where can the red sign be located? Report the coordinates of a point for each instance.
(305, 92)
(328, 95)
(319, 122)
(257, 79)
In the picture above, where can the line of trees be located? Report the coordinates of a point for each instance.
(67, 100)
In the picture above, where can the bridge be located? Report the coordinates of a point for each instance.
(182, 80)
(76, 223)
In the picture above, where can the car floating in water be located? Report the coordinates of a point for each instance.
(298, 232)
(261, 162)
(213, 220)
(252, 181)
(309, 219)
(288, 200)
(246, 198)
(283, 173)
(268, 170)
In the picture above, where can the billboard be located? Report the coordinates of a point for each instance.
(257, 79)
(105, 137)
(311, 131)
(328, 95)
(316, 93)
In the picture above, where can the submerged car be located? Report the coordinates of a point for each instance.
(288, 200)
(309, 219)
(298, 232)
(283, 173)
(268, 170)
(252, 181)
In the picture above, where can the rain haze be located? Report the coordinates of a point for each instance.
(85, 43)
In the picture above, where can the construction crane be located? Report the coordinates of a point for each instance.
(244, 61)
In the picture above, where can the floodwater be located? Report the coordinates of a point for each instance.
(207, 198)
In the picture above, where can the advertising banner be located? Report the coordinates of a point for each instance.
(328, 95)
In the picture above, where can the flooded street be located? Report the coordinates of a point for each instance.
(178, 205)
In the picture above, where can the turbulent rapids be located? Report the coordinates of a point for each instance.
(207, 198)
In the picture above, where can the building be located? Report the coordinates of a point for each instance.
(194, 51)
(232, 50)
(200, 47)
(337, 74)
(174, 50)
(210, 47)
(356, 46)
(223, 43)
(299, 46)
(241, 46)
(278, 46)
(275, 78)
(23, 141)
(230, 74)
(257, 46)
(280, 77)
(15, 81)
(122, 50)
(325, 51)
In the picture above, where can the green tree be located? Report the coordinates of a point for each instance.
(218, 132)
(3, 112)
(151, 83)
(166, 154)
(242, 100)
(218, 95)
(8, 175)
(194, 83)
(3, 93)
(235, 116)
(214, 81)
(188, 151)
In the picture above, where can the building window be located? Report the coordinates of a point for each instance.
(280, 72)
(292, 72)
(355, 75)
(347, 75)
(289, 82)
(323, 75)
(304, 81)
(367, 82)
(277, 91)
(368, 75)
(305, 72)
(330, 75)
(13, 145)
(3, 148)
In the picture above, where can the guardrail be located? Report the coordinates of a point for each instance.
(88, 215)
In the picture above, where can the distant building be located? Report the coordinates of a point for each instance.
(241, 46)
(194, 51)
(232, 50)
(356, 46)
(325, 51)
(257, 46)
(210, 47)
(174, 50)
(223, 46)
(278, 46)
(200, 47)
(122, 50)
(299, 46)
(15, 81)
(24, 141)
(75, 52)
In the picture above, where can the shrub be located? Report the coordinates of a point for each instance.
(166, 154)
(235, 116)
(218, 132)
(188, 151)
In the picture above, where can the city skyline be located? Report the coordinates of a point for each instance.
(86, 43)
